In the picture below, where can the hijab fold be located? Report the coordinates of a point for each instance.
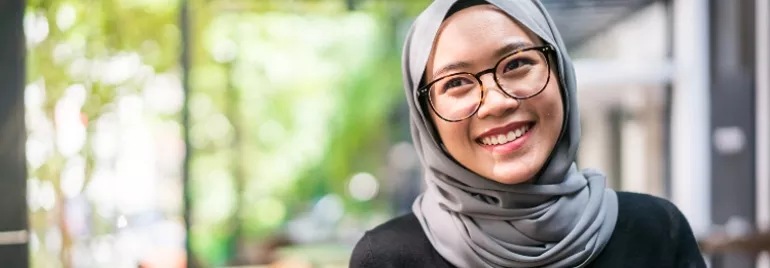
(563, 219)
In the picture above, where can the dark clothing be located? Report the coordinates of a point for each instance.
(650, 232)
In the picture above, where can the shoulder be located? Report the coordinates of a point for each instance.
(399, 242)
(650, 230)
(649, 212)
(405, 226)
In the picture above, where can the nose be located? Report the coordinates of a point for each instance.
(495, 102)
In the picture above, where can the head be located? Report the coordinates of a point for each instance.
(475, 39)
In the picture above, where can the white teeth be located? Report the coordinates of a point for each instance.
(503, 139)
(511, 136)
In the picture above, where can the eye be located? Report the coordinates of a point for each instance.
(455, 82)
(517, 63)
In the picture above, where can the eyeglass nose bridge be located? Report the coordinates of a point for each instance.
(481, 83)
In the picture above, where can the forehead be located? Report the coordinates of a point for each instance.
(472, 34)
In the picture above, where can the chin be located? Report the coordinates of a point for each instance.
(516, 169)
(511, 176)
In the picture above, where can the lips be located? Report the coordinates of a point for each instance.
(505, 134)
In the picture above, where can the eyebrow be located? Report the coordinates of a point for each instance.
(498, 53)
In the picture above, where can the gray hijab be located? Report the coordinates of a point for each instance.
(563, 219)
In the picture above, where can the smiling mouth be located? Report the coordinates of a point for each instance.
(506, 137)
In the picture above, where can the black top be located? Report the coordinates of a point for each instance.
(650, 232)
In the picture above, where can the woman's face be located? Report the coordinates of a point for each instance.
(472, 37)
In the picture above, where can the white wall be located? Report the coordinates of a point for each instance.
(626, 67)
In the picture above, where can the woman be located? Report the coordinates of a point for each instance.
(494, 120)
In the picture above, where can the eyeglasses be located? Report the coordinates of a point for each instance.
(520, 75)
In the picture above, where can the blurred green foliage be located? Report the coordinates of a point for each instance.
(288, 100)
(69, 42)
(314, 89)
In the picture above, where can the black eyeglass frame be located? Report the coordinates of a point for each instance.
(546, 50)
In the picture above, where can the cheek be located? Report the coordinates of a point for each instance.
(550, 100)
(449, 132)
(453, 135)
(552, 109)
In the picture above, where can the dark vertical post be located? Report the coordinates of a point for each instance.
(13, 176)
(616, 119)
(732, 90)
(184, 25)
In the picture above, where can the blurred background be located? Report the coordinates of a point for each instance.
(274, 133)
